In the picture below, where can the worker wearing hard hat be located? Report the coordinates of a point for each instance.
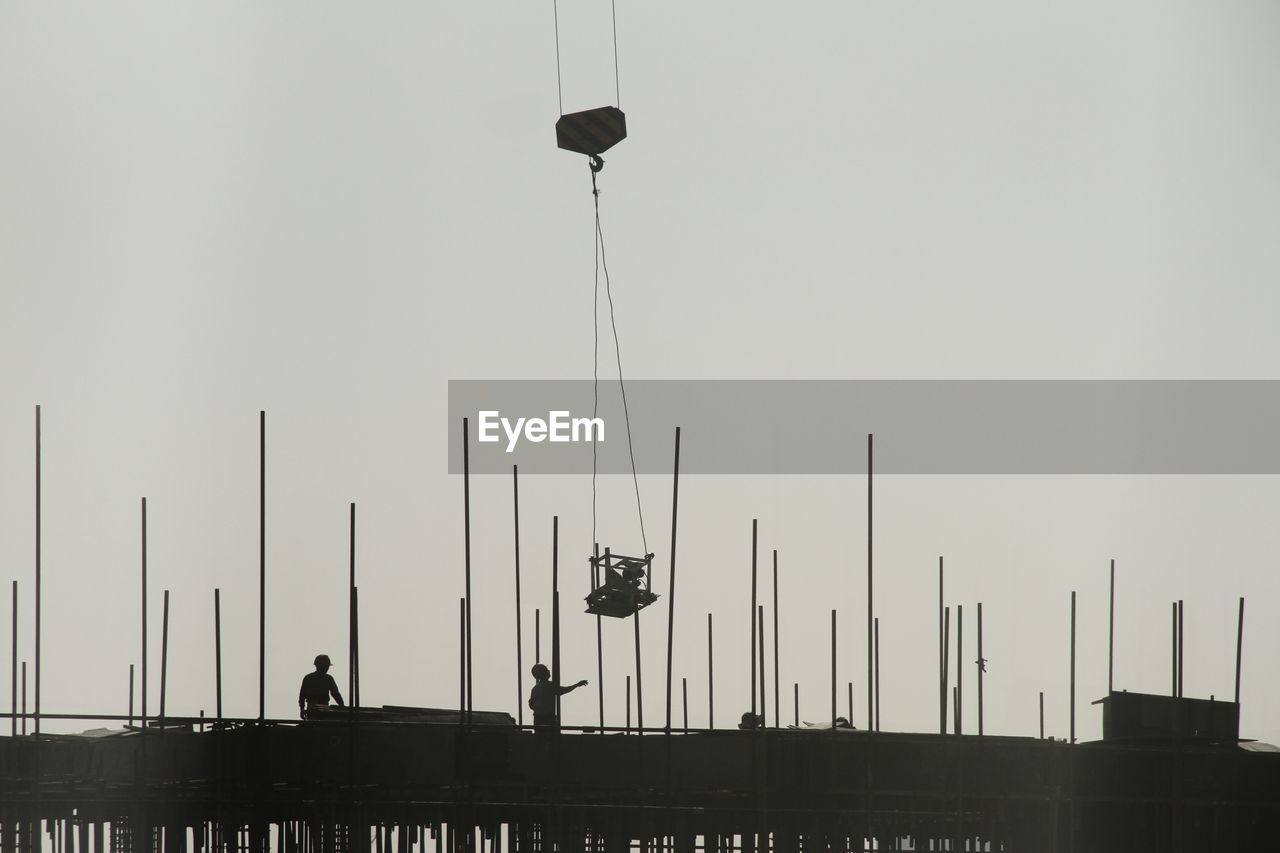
(317, 687)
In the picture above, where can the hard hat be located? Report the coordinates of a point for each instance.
(323, 659)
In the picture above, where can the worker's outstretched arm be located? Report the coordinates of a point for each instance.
(333, 688)
(572, 687)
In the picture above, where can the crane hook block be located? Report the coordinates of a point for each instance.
(591, 132)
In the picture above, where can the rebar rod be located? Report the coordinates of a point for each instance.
(877, 639)
(515, 499)
(262, 565)
(353, 616)
(751, 615)
(466, 533)
(942, 657)
(39, 541)
(164, 651)
(555, 610)
(959, 669)
(777, 683)
(946, 660)
(711, 682)
(760, 620)
(671, 600)
(1239, 646)
(981, 668)
(144, 614)
(833, 668)
(217, 651)
(13, 666)
(871, 672)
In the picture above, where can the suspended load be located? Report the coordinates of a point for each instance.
(591, 132)
(595, 131)
(620, 586)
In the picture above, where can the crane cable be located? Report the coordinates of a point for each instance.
(601, 263)
(617, 87)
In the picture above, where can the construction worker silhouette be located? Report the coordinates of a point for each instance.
(542, 698)
(317, 687)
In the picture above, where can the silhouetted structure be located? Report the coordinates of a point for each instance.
(1169, 774)
(357, 784)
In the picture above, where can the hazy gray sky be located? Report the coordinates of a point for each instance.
(328, 210)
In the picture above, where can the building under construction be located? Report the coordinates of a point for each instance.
(1170, 772)
(390, 780)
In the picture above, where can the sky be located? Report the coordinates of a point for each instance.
(328, 211)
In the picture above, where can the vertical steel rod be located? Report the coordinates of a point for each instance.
(1111, 633)
(795, 694)
(515, 498)
(262, 565)
(850, 703)
(24, 697)
(1181, 634)
(599, 647)
(1073, 666)
(942, 658)
(946, 660)
(217, 650)
(13, 667)
(164, 651)
(833, 668)
(144, 614)
(959, 669)
(760, 620)
(1041, 715)
(871, 672)
(555, 609)
(38, 566)
(671, 600)
(752, 615)
(635, 621)
(354, 698)
(462, 660)
(877, 641)
(628, 704)
(466, 533)
(982, 667)
(777, 684)
(130, 695)
(684, 692)
(1239, 646)
(711, 680)
(1173, 648)
(537, 634)
(353, 616)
